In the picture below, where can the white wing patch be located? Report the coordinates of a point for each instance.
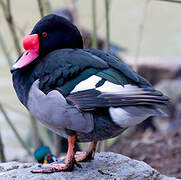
(89, 83)
(115, 88)
(108, 87)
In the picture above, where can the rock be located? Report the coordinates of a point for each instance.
(105, 166)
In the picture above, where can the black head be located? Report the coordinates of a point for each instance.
(56, 32)
(50, 33)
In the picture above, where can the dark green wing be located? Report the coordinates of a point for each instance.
(126, 72)
(64, 69)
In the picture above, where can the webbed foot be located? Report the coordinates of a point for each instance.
(85, 156)
(56, 167)
(88, 155)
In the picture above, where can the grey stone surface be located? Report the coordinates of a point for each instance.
(105, 166)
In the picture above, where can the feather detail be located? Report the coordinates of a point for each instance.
(93, 98)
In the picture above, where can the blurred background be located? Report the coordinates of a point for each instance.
(146, 34)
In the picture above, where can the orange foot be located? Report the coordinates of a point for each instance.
(85, 156)
(55, 167)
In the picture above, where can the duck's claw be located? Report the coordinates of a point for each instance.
(78, 164)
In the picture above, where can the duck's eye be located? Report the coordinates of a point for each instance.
(44, 34)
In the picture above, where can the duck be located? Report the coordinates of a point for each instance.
(43, 155)
(83, 95)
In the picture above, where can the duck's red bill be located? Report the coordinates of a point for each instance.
(31, 45)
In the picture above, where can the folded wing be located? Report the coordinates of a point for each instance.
(94, 98)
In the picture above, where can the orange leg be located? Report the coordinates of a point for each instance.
(69, 160)
(88, 155)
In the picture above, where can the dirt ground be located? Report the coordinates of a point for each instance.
(162, 152)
